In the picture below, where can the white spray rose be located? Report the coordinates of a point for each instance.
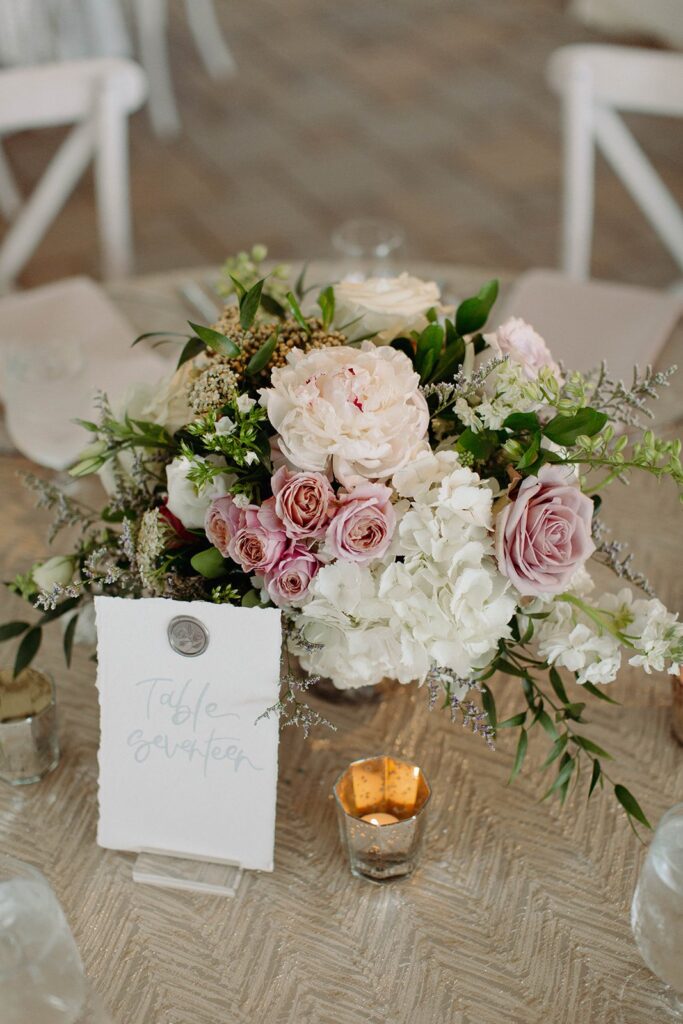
(389, 306)
(56, 571)
(188, 502)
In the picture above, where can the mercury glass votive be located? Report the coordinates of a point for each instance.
(29, 745)
(381, 805)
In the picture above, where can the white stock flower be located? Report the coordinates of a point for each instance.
(507, 391)
(566, 639)
(361, 411)
(185, 500)
(389, 306)
(656, 633)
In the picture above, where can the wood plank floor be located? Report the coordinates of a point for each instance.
(434, 113)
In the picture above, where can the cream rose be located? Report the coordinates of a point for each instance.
(56, 571)
(389, 306)
(185, 501)
(361, 411)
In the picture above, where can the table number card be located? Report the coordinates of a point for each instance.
(185, 768)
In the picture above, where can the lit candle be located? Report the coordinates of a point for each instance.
(380, 818)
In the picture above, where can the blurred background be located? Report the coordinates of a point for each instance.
(435, 114)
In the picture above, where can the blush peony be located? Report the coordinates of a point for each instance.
(360, 411)
(544, 536)
(518, 340)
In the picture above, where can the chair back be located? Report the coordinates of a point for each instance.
(595, 83)
(96, 96)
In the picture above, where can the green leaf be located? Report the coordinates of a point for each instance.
(511, 723)
(69, 634)
(591, 747)
(564, 430)
(558, 685)
(216, 341)
(522, 745)
(595, 776)
(157, 334)
(518, 421)
(239, 287)
(556, 749)
(473, 313)
(630, 805)
(451, 359)
(251, 600)
(61, 609)
(272, 306)
(595, 692)
(429, 345)
(87, 425)
(406, 346)
(260, 359)
(193, 347)
(326, 301)
(563, 776)
(548, 724)
(249, 305)
(573, 710)
(489, 703)
(511, 670)
(12, 629)
(530, 456)
(209, 563)
(300, 285)
(297, 314)
(481, 444)
(28, 648)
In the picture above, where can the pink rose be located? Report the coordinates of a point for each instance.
(363, 525)
(260, 543)
(222, 522)
(287, 583)
(304, 502)
(544, 535)
(518, 340)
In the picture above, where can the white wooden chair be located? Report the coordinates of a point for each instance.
(152, 18)
(595, 82)
(96, 96)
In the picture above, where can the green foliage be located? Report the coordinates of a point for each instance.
(565, 430)
(249, 304)
(262, 357)
(209, 563)
(297, 314)
(216, 341)
(10, 630)
(28, 648)
(191, 349)
(473, 313)
(326, 301)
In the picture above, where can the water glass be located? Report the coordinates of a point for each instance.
(42, 980)
(368, 247)
(657, 910)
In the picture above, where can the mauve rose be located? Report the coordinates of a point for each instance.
(518, 340)
(260, 543)
(363, 524)
(304, 502)
(544, 535)
(288, 581)
(223, 521)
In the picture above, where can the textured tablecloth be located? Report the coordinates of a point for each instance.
(518, 914)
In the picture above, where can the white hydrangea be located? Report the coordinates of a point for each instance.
(567, 640)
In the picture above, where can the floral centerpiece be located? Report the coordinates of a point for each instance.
(420, 498)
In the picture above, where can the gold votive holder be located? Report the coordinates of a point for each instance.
(29, 744)
(677, 706)
(381, 805)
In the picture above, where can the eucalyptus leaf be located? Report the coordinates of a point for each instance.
(596, 692)
(512, 723)
(556, 749)
(28, 648)
(591, 747)
(558, 685)
(595, 776)
(563, 776)
(489, 704)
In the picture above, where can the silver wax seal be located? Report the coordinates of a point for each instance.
(188, 636)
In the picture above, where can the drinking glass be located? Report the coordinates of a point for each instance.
(368, 246)
(657, 911)
(42, 980)
(38, 384)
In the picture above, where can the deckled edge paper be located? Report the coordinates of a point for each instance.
(184, 767)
